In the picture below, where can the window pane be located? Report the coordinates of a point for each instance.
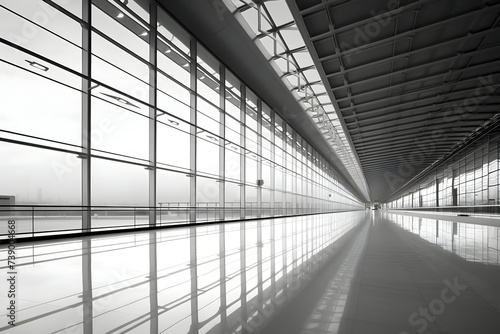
(233, 193)
(251, 169)
(173, 143)
(233, 106)
(208, 62)
(118, 130)
(173, 98)
(207, 87)
(121, 27)
(207, 191)
(115, 67)
(232, 170)
(233, 130)
(208, 116)
(169, 29)
(35, 106)
(173, 64)
(266, 121)
(266, 173)
(251, 141)
(109, 188)
(207, 154)
(172, 188)
(60, 43)
(39, 176)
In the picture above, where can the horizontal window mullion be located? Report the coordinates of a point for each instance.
(66, 12)
(45, 59)
(175, 47)
(18, 142)
(43, 76)
(125, 9)
(118, 68)
(93, 155)
(174, 80)
(121, 93)
(43, 28)
(118, 45)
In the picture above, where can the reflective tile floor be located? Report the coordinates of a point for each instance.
(363, 272)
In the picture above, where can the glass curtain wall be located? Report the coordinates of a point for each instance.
(470, 178)
(112, 115)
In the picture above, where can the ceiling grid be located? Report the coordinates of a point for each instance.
(403, 75)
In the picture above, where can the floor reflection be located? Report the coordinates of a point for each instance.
(473, 242)
(329, 311)
(227, 278)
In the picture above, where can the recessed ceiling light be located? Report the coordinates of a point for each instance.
(144, 33)
(120, 15)
(168, 49)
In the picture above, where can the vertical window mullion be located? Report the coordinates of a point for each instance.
(259, 156)
(153, 76)
(273, 152)
(243, 136)
(193, 130)
(222, 148)
(86, 114)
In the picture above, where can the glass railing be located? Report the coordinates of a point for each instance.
(462, 209)
(38, 220)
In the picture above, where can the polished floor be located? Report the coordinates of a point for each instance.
(364, 272)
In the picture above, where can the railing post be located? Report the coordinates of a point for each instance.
(32, 221)
(160, 212)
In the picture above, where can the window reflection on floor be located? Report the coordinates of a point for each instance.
(212, 279)
(473, 242)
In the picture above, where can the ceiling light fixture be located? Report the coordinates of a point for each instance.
(120, 15)
(119, 99)
(212, 137)
(37, 65)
